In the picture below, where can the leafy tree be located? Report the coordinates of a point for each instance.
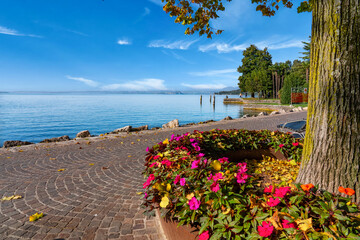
(257, 81)
(331, 155)
(292, 80)
(306, 53)
(254, 59)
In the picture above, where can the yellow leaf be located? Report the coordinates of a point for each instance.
(20, 150)
(166, 141)
(293, 163)
(164, 202)
(35, 217)
(227, 211)
(11, 198)
(190, 196)
(129, 156)
(132, 143)
(216, 165)
(91, 164)
(304, 225)
(52, 158)
(138, 140)
(168, 187)
(61, 169)
(275, 221)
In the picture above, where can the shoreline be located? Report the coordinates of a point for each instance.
(108, 136)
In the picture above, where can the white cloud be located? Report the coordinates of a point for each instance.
(181, 44)
(13, 32)
(141, 85)
(146, 12)
(123, 42)
(204, 86)
(213, 72)
(176, 56)
(157, 2)
(271, 45)
(88, 82)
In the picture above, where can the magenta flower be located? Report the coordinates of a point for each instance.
(153, 164)
(166, 163)
(215, 187)
(286, 224)
(172, 137)
(241, 178)
(281, 145)
(266, 229)
(223, 160)
(182, 182)
(145, 195)
(295, 144)
(195, 164)
(201, 155)
(177, 179)
(273, 202)
(156, 157)
(194, 203)
(204, 236)
(148, 181)
(147, 149)
(282, 191)
(192, 140)
(242, 168)
(268, 189)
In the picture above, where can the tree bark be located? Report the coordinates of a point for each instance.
(331, 154)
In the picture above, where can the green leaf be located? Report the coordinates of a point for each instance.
(341, 217)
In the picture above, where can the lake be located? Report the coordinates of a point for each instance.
(34, 117)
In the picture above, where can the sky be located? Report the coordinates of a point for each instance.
(120, 45)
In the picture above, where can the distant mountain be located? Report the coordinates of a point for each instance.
(229, 92)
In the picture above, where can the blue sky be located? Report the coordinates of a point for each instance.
(92, 45)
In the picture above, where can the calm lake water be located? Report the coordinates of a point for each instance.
(34, 117)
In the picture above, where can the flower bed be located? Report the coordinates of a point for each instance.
(190, 180)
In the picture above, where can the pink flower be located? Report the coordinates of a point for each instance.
(286, 224)
(153, 164)
(204, 236)
(177, 179)
(146, 195)
(295, 144)
(268, 189)
(266, 229)
(172, 137)
(147, 149)
(281, 145)
(192, 140)
(223, 160)
(197, 148)
(201, 155)
(215, 187)
(194, 203)
(182, 181)
(156, 157)
(241, 178)
(195, 164)
(148, 181)
(282, 191)
(166, 163)
(242, 168)
(273, 202)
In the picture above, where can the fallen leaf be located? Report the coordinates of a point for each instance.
(129, 156)
(61, 169)
(52, 158)
(104, 168)
(91, 164)
(304, 225)
(13, 197)
(35, 217)
(20, 150)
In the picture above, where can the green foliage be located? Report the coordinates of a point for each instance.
(293, 80)
(222, 200)
(306, 53)
(255, 63)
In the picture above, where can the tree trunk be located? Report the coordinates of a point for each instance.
(331, 156)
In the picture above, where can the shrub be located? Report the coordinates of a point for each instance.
(189, 180)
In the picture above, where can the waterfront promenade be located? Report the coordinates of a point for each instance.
(95, 196)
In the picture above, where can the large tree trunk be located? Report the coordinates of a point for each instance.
(331, 156)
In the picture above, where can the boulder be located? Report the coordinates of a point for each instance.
(172, 124)
(142, 128)
(188, 124)
(123, 129)
(246, 116)
(155, 128)
(274, 112)
(263, 114)
(8, 144)
(305, 108)
(57, 139)
(282, 111)
(228, 118)
(83, 134)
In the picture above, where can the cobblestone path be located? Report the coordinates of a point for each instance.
(95, 196)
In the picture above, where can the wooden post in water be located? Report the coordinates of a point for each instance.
(210, 98)
(214, 100)
(200, 99)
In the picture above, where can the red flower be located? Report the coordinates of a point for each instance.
(273, 202)
(266, 229)
(268, 189)
(295, 144)
(286, 224)
(347, 191)
(281, 192)
(204, 236)
(281, 145)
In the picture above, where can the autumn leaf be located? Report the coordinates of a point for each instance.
(275, 221)
(91, 164)
(61, 169)
(11, 198)
(304, 225)
(35, 217)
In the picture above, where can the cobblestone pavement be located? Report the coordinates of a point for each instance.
(95, 196)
